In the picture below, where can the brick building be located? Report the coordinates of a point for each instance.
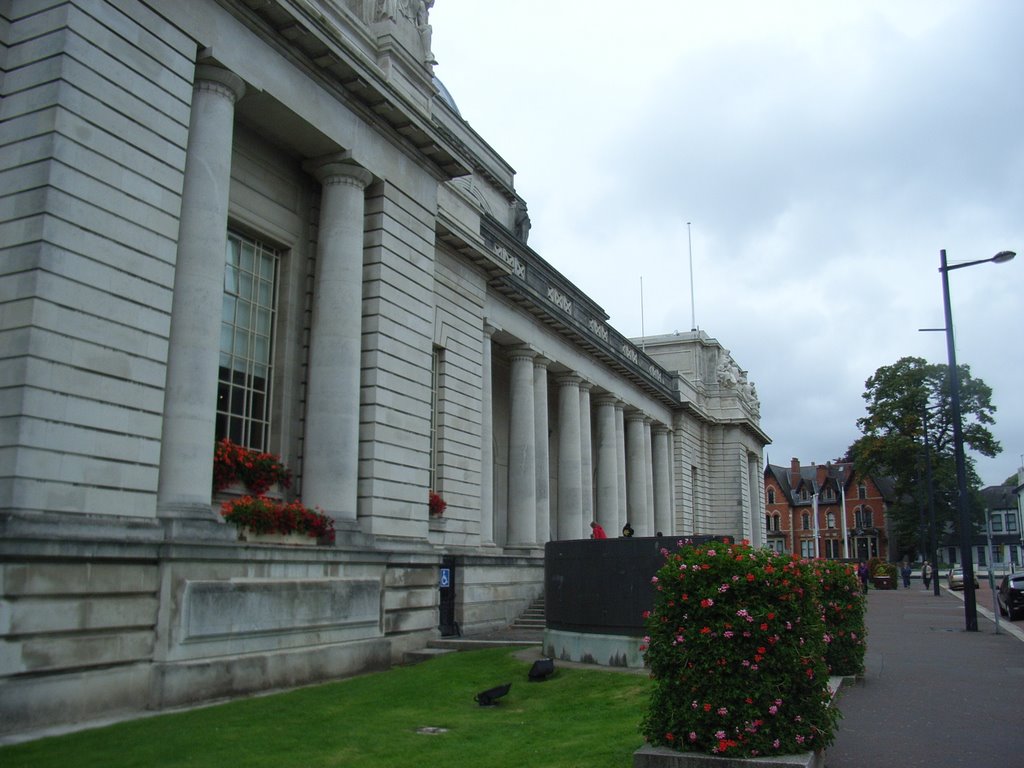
(827, 511)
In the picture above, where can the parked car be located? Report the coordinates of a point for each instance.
(1010, 596)
(955, 578)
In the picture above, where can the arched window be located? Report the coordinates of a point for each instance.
(768, 522)
(862, 491)
(830, 519)
(863, 517)
(771, 495)
(806, 521)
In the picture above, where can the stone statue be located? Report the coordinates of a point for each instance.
(521, 227)
(727, 373)
(386, 10)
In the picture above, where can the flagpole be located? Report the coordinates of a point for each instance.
(814, 507)
(842, 495)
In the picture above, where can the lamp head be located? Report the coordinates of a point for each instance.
(1002, 256)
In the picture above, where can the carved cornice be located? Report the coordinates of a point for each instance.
(547, 294)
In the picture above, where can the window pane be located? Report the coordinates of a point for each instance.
(247, 343)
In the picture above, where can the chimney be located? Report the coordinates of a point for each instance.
(794, 470)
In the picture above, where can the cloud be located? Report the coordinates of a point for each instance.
(823, 153)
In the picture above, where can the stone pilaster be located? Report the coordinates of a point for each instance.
(586, 461)
(620, 459)
(649, 477)
(636, 474)
(190, 392)
(487, 441)
(662, 480)
(330, 456)
(540, 428)
(570, 489)
(607, 496)
(522, 453)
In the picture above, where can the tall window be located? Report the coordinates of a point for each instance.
(996, 521)
(862, 491)
(1011, 522)
(807, 548)
(830, 519)
(771, 495)
(832, 549)
(247, 342)
(863, 517)
(806, 519)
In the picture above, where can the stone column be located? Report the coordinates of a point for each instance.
(570, 490)
(662, 480)
(540, 430)
(620, 458)
(487, 442)
(586, 461)
(330, 454)
(649, 477)
(607, 501)
(636, 474)
(522, 453)
(185, 483)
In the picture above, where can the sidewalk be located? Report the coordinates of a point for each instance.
(933, 694)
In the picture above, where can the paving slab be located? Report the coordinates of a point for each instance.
(932, 694)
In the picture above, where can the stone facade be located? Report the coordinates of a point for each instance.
(269, 221)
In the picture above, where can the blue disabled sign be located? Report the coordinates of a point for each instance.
(446, 577)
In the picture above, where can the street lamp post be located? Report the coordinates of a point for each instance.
(966, 556)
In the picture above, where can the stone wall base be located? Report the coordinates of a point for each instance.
(588, 648)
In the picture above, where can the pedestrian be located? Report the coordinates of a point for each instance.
(905, 573)
(597, 532)
(862, 572)
(627, 530)
(926, 574)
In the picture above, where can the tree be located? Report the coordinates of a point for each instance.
(905, 402)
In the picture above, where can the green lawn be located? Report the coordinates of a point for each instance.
(578, 717)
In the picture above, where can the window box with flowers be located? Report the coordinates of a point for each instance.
(436, 504)
(263, 520)
(236, 467)
(436, 507)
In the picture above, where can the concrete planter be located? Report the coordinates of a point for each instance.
(293, 539)
(884, 582)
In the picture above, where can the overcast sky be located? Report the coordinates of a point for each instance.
(824, 152)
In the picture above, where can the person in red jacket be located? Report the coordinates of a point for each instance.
(597, 532)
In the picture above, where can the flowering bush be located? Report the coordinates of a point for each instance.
(256, 470)
(843, 604)
(437, 505)
(263, 515)
(736, 648)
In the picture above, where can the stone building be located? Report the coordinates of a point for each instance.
(268, 221)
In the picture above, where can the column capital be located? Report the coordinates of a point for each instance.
(541, 362)
(658, 428)
(489, 330)
(215, 78)
(636, 416)
(338, 168)
(568, 380)
(585, 386)
(521, 352)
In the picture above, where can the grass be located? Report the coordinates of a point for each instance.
(578, 717)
